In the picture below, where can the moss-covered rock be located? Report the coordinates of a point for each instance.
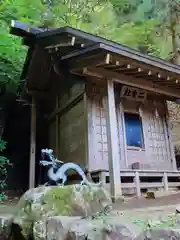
(5, 224)
(74, 228)
(73, 200)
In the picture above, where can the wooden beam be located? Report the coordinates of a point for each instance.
(134, 82)
(145, 61)
(83, 52)
(120, 53)
(79, 63)
(32, 167)
(170, 82)
(113, 146)
(69, 103)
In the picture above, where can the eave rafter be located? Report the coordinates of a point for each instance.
(80, 50)
(101, 73)
(114, 63)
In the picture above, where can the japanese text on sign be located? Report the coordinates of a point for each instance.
(133, 93)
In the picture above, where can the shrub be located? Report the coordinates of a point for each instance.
(4, 164)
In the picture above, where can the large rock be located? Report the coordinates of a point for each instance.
(5, 225)
(168, 228)
(73, 200)
(161, 234)
(76, 228)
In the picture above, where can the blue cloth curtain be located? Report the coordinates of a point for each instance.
(133, 130)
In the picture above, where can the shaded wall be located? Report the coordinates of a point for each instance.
(16, 133)
(42, 141)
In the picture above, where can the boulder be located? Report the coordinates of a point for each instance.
(168, 228)
(76, 228)
(160, 234)
(72, 200)
(5, 225)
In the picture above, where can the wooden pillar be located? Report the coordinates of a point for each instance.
(57, 129)
(171, 145)
(32, 167)
(113, 145)
(86, 132)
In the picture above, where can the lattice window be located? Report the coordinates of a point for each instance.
(101, 133)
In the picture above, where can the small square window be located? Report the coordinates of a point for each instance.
(133, 126)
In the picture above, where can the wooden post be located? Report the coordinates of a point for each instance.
(165, 180)
(137, 182)
(57, 128)
(112, 139)
(86, 130)
(171, 145)
(32, 167)
(102, 177)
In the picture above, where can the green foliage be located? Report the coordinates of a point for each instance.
(4, 164)
(12, 54)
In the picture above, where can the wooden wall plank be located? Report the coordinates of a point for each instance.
(72, 136)
(144, 119)
(92, 150)
(122, 135)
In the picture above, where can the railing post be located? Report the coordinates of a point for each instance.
(102, 177)
(137, 183)
(165, 180)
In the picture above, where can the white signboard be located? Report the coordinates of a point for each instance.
(135, 94)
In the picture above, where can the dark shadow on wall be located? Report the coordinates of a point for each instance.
(17, 133)
(42, 136)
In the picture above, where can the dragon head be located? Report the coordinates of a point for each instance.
(46, 152)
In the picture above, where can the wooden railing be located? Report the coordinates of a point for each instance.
(141, 179)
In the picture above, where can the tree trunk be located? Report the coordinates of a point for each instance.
(172, 28)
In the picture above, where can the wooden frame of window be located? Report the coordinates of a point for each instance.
(142, 148)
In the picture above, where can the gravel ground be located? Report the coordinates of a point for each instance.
(134, 203)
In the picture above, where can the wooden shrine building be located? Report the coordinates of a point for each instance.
(105, 104)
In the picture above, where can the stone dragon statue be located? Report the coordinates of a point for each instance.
(58, 170)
